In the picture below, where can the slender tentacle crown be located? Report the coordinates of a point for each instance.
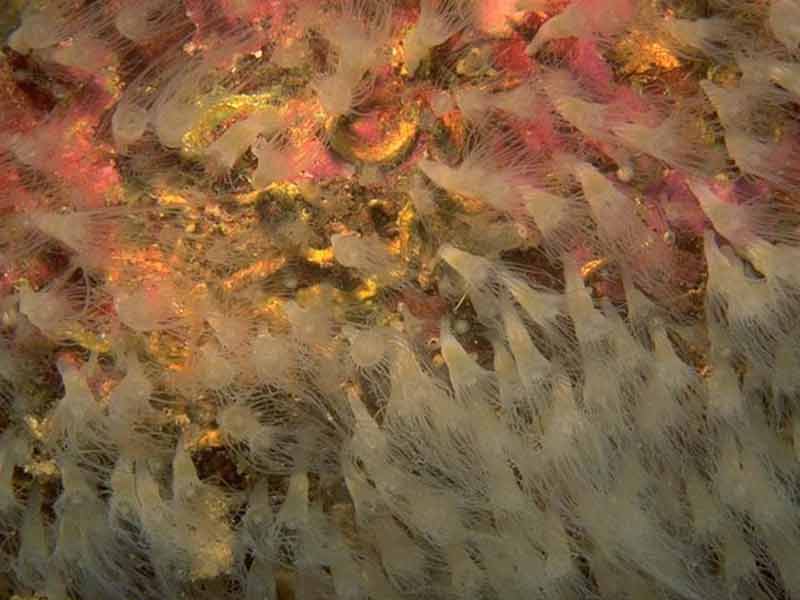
(399, 299)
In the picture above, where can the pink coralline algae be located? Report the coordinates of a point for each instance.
(386, 299)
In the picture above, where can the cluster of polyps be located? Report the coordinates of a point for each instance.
(567, 367)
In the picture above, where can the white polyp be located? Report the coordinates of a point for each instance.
(520, 101)
(461, 326)
(414, 49)
(143, 311)
(785, 74)
(732, 104)
(559, 554)
(34, 550)
(368, 347)
(438, 20)
(14, 451)
(625, 173)
(45, 310)
(784, 20)
(231, 332)
(422, 197)
(176, 113)
(259, 509)
(310, 325)
(796, 435)
(71, 229)
(468, 378)
(440, 174)
(564, 24)
(728, 219)
(738, 561)
(185, 481)
(700, 33)
(403, 560)
(542, 307)
(548, 211)
(260, 583)
(441, 103)
(223, 153)
(274, 162)
(435, 514)
(358, 34)
(366, 254)
(748, 300)
(290, 54)
(129, 399)
(706, 512)
(465, 576)
(475, 270)
(472, 101)
(135, 19)
(37, 31)
(336, 94)
(410, 386)
(724, 394)
(84, 52)
(214, 369)
(74, 482)
(77, 408)
(369, 443)
(271, 357)
(128, 124)
(590, 324)
(749, 153)
(240, 422)
(294, 510)
(531, 365)
(581, 20)
(123, 489)
(663, 142)
(613, 211)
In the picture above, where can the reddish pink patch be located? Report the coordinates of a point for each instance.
(671, 204)
(368, 128)
(751, 190)
(18, 112)
(7, 279)
(387, 87)
(14, 196)
(511, 57)
(209, 17)
(41, 271)
(257, 10)
(322, 165)
(539, 134)
(68, 359)
(631, 106)
(83, 164)
(583, 253)
(404, 16)
(424, 306)
(533, 20)
(588, 64)
(493, 16)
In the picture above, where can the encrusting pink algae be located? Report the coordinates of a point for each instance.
(385, 299)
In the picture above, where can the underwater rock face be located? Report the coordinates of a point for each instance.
(438, 299)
